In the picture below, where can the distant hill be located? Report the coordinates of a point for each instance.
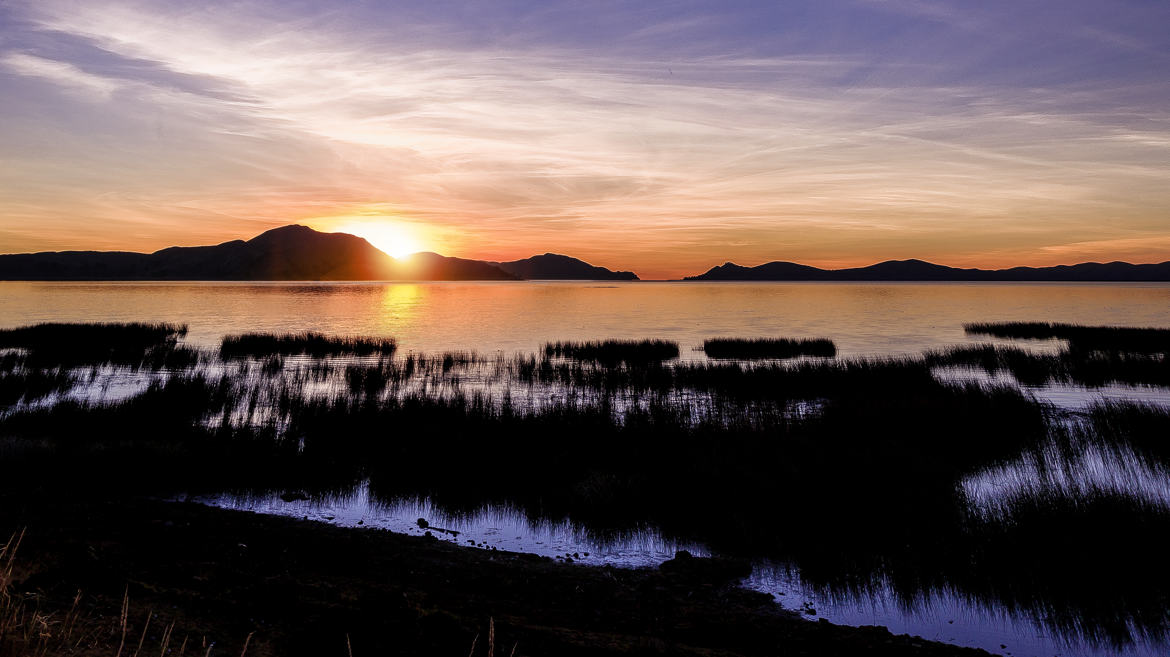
(553, 266)
(918, 270)
(290, 253)
(299, 253)
(434, 267)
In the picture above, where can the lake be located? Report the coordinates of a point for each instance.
(863, 319)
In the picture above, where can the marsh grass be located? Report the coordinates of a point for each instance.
(593, 453)
(614, 351)
(27, 629)
(72, 345)
(768, 348)
(1061, 558)
(1143, 427)
(858, 488)
(1107, 338)
(10, 359)
(317, 345)
(32, 626)
(774, 381)
(31, 385)
(1086, 368)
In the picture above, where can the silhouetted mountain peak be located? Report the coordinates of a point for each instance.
(292, 252)
(298, 235)
(290, 229)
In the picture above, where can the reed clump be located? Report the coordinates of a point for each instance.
(31, 385)
(317, 345)
(1089, 368)
(1079, 336)
(1143, 427)
(1027, 549)
(775, 381)
(614, 351)
(768, 348)
(77, 344)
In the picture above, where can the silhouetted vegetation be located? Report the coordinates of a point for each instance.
(1087, 368)
(803, 380)
(71, 345)
(10, 360)
(1143, 427)
(259, 345)
(1027, 553)
(846, 469)
(615, 351)
(764, 348)
(32, 385)
(1109, 338)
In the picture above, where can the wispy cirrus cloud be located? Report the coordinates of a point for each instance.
(62, 73)
(184, 124)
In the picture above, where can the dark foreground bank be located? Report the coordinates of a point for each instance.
(195, 578)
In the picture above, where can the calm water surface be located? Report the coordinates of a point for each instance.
(863, 318)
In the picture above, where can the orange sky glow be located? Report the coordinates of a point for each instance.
(120, 132)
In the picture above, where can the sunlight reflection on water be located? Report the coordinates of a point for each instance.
(862, 318)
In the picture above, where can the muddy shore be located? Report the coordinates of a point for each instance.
(229, 580)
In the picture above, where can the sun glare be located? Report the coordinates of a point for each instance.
(392, 238)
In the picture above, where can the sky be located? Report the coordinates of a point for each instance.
(663, 137)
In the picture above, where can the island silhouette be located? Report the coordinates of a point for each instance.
(299, 253)
(920, 270)
(290, 253)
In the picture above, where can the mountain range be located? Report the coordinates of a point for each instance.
(919, 270)
(290, 253)
(299, 253)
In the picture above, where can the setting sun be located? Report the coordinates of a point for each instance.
(392, 237)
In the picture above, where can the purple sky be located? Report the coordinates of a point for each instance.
(664, 136)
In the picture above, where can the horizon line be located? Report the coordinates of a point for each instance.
(626, 268)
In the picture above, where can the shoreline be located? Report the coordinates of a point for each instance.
(298, 587)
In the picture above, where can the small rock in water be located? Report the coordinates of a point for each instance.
(361, 522)
(294, 496)
(422, 522)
